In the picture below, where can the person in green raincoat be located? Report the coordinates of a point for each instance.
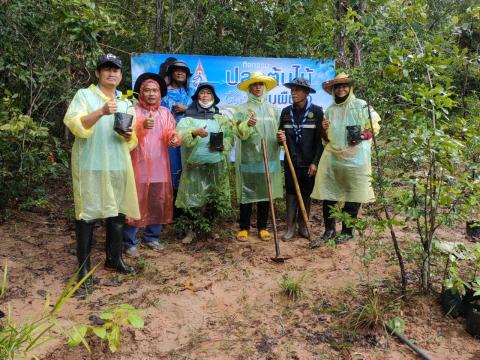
(256, 119)
(344, 172)
(103, 179)
(207, 140)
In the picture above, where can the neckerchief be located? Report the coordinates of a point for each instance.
(297, 128)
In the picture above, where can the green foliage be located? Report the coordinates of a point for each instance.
(26, 157)
(45, 48)
(292, 287)
(22, 340)
(115, 318)
(416, 74)
(396, 325)
(213, 215)
(464, 272)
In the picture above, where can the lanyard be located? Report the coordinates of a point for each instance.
(297, 128)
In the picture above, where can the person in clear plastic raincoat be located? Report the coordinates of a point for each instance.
(155, 129)
(256, 119)
(103, 179)
(344, 172)
(207, 140)
(178, 98)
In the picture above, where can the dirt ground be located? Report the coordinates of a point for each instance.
(221, 299)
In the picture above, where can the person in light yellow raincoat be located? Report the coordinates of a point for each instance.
(256, 119)
(204, 185)
(344, 171)
(103, 178)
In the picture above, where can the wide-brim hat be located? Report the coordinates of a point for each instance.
(256, 77)
(341, 78)
(150, 76)
(301, 82)
(179, 64)
(207, 85)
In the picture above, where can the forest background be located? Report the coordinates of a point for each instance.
(417, 62)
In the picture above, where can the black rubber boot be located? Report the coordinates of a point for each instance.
(114, 245)
(84, 234)
(330, 231)
(351, 209)
(302, 228)
(292, 207)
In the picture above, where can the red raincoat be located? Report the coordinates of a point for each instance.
(151, 166)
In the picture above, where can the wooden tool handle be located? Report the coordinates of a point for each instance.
(297, 189)
(270, 197)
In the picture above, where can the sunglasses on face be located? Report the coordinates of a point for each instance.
(339, 86)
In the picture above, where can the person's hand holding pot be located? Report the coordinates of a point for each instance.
(127, 135)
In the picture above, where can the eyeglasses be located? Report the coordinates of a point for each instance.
(339, 86)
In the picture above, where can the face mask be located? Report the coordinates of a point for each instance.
(206, 105)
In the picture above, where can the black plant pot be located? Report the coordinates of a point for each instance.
(473, 320)
(473, 229)
(122, 123)
(216, 141)
(354, 133)
(452, 304)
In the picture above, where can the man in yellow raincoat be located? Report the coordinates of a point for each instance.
(344, 172)
(256, 119)
(103, 179)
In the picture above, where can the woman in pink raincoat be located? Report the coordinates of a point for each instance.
(155, 129)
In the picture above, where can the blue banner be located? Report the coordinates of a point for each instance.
(225, 72)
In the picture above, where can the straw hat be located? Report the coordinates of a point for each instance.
(341, 78)
(256, 77)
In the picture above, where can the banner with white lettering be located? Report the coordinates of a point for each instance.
(225, 72)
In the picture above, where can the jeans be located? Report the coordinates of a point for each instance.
(150, 233)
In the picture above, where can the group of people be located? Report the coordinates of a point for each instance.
(174, 154)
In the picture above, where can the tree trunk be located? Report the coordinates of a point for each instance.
(170, 26)
(68, 86)
(342, 60)
(357, 45)
(158, 27)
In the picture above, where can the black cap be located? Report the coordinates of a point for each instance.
(302, 83)
(150, 76)
(109, 59)
(207, 85)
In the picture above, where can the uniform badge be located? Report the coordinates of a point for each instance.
(310, 115)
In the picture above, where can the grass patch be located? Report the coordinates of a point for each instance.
(291, 287)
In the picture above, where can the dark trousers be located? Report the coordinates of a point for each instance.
(350, 208)
(305, 182)
(262, 215)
